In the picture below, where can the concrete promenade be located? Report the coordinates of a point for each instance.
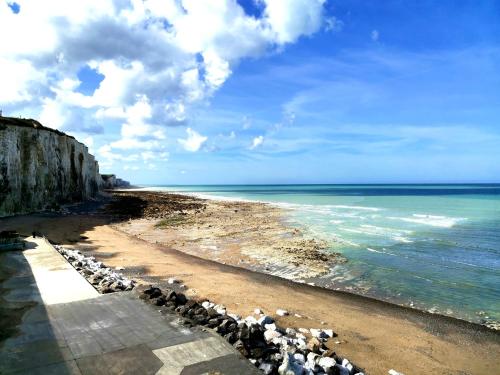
(57, 323)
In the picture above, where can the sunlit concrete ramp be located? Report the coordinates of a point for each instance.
(63, 326)
(56, 279)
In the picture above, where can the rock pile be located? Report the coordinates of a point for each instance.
(103, 278)
(272, 349)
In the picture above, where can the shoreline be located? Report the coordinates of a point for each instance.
(421, 316)
(374, 334)
(325, 279)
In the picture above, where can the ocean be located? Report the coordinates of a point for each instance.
(431, 247)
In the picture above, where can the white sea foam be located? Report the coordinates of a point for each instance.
(402, 239)
(380, 252)
(397, 235)
(432, 220)
(336, 221)
(362, 208)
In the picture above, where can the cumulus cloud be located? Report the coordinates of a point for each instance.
(374, 35)
(257, 141)
(159, 59)
(194, 140)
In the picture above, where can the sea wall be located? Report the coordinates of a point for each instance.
(42, 168)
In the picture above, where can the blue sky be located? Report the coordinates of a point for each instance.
(334, 92)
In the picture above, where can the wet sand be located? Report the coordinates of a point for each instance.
(375, 335)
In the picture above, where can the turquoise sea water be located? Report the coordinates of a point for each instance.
(434, 247)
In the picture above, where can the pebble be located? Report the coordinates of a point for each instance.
(282, 312)
(173, 280)
(270, 327)
(394, 372)
(103, 278)
(265, 320)
(258, 311)
(207, 305)
(269, 335)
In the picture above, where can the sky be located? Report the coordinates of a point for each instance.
(263, 91)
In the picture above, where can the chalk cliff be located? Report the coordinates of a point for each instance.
(42, 168)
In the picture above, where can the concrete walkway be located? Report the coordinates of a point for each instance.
(66, 327)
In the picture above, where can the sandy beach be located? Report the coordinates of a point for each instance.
(217, 248)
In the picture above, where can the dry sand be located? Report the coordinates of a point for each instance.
(375, 335)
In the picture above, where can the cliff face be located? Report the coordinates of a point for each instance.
(41, 168)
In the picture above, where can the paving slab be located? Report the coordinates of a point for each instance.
(66, 328)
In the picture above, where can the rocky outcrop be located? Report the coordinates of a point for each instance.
(42, 168)
(110, 181)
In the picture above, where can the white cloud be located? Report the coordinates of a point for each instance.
(374, 35)
(293, 18)
(257, 141)
(159, 59)
(333, 24)
(194, 140)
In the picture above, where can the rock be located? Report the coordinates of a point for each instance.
(301, 344)
(173, 280)
(231, 337)
(258, 311)
(119, 268)
(212, 323)
(240, 346)
(329, 332)
(149, 290)
(191, 304)
(311, 359)
(269, 335)
(155, 293)
(200, 319)
(207, 305)
(267, 368)
(340, 370)
(303, 330)
(270, 327)
(212, 313)
(299, 357)
(170, 294)
(320, 334)
(288, 367)
(265, 320)
(290, 332)
(394, 372)
(234, 316)
(250, 320)
(180, 299)
(221, 309)
(282, 312)
(226, 326)
(327, 363)
(170, 305)
(258, 352)
(182, 310)
(200, 311)
(314, 345)
(160, 301)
